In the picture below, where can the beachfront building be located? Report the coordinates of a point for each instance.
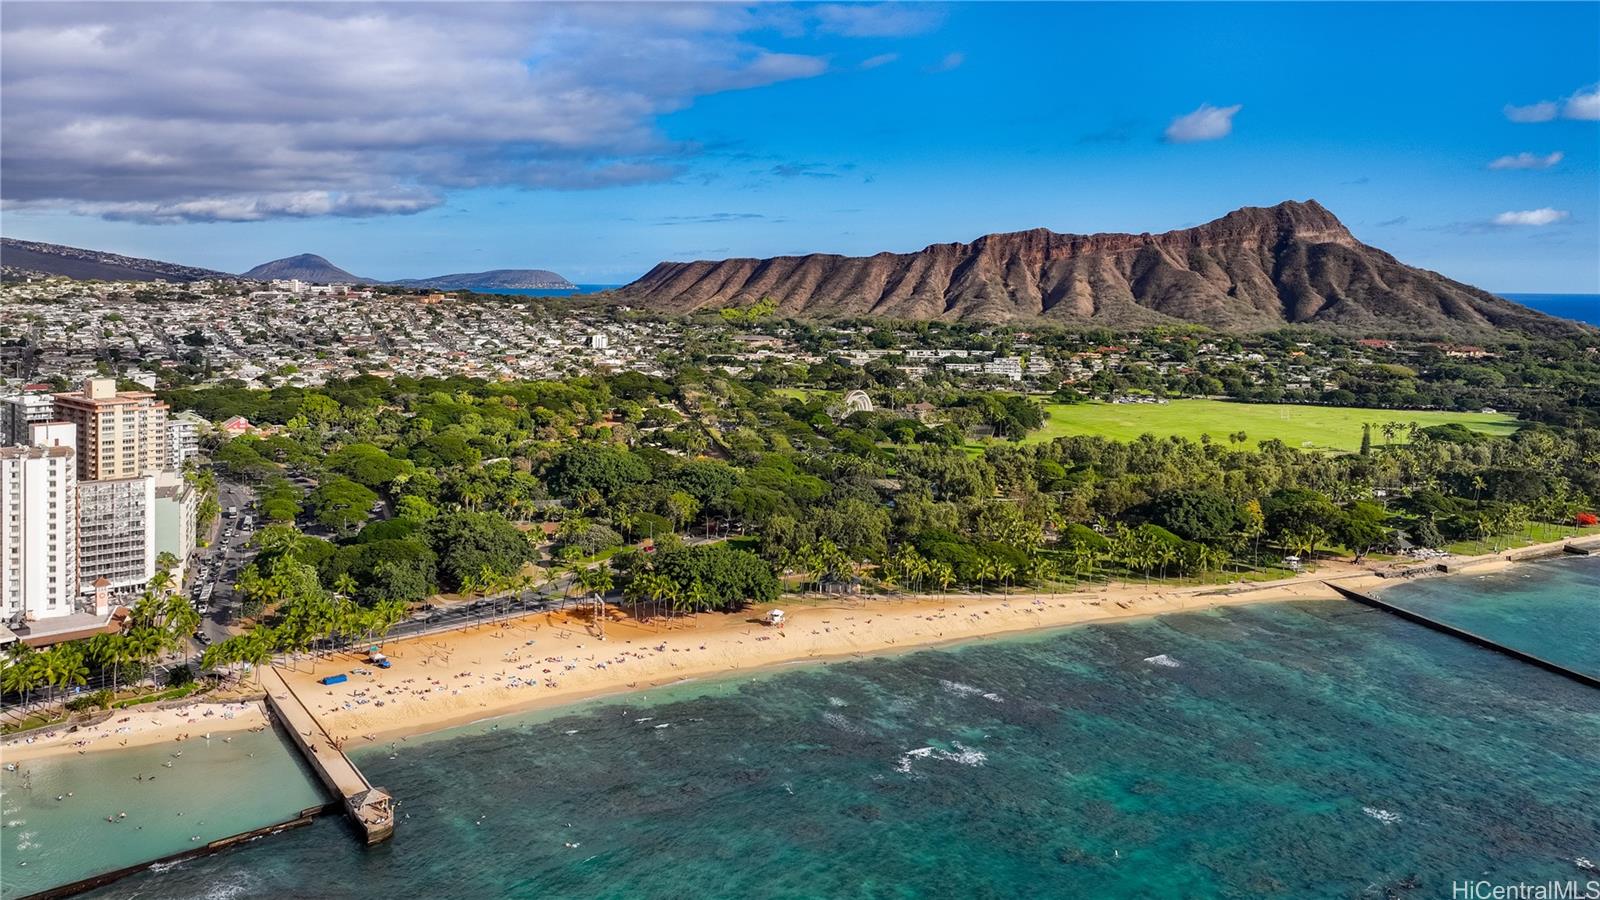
(116, 534)
(20, 412)
(121, 434)
(177, 504)
(39, 528)
(183, 439)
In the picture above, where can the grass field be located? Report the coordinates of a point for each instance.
(1308, 427)
(1535, 533)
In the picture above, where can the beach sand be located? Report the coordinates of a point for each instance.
(141, 727)
(549, 659)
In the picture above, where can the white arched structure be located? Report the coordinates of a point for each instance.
(857, 401)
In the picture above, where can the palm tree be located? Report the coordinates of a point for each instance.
(182, 620)
(257, 649)
(697, 596)
(159, 582)
(388, 613)
(344, 584)
(145, 644)
(24, 672)
(108, 650)
(1043, 570)
(67, 665)
(1166, 556)
(1082, 558)
(985, 570)
(625, 520)
(1003, 570)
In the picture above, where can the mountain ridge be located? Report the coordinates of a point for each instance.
(1254, 268)
(77, 262)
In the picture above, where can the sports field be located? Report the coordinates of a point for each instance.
(1306, 427)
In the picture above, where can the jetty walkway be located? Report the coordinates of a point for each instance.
(370, 808)
(1463, 634)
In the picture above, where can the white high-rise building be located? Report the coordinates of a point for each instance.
(116, 534)
(39, 526)
(19, 412)
(183, 439)
(177, 507)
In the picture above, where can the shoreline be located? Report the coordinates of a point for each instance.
(553, 701)
(551, 660)
(529, 656)
(544, 661)
(140, 728)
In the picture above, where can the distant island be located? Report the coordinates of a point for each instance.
(313, 268)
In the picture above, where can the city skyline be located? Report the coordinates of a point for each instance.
(597, 141)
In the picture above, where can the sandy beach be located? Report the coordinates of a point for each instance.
(142, 727)
(550, 659)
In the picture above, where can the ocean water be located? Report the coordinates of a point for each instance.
(1311, 749)
(1550, 609)
(214, 790)
(543, 292)
(1582, 307)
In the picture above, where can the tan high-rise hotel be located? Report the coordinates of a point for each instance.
(120, 434)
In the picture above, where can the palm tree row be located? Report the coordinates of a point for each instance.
(159, 622)
(323, 622)
(665, 594)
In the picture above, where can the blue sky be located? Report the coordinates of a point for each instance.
(598, 140)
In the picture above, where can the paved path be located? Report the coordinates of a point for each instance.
(372, 809)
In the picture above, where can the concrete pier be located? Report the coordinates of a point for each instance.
(371, 809)
(1465, 635)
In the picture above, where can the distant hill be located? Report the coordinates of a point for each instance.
(1254, 268)
(494, 278)
(305, 267)
(75, 262)
(313, 268)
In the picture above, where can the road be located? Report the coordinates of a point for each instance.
(218, 565)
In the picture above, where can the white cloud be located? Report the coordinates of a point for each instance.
(1544, 216)
(882, 59)
(1585, 104)
(950, 61)
(245, 111)
(1208, 123)
(1533, 112)
(876, 19)
(1527, 161)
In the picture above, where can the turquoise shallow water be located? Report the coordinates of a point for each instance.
(214, 790)
(1295, 750)
(1550, 609)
